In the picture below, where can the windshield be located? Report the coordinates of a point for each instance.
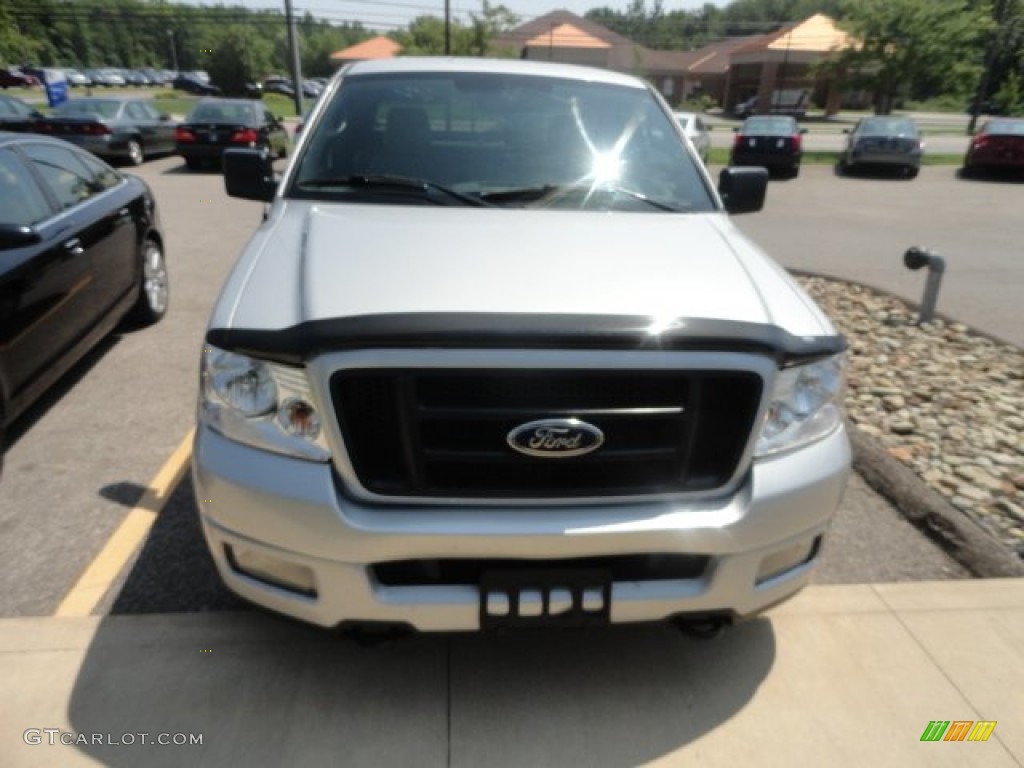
(1005, 127)
(100, 107)
(769, 126)
(888, 127)
(508, 140)
(222, 112)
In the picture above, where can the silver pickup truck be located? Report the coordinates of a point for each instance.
(497, 358)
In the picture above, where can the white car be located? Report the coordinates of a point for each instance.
(497, 357)
(696, 131)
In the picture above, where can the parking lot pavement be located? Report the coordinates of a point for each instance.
(82, 459)
(857, 228)
(840, 676)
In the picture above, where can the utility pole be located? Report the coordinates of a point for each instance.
(447, 28)
(293, 51)
(174, 49)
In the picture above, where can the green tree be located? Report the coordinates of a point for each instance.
(237, 55)
(492, 21)
(904, 46)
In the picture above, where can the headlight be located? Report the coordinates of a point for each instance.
(806, 406)
(240, 382)
(265, 405)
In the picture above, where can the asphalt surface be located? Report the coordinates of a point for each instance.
(858, 227)
(82, 458)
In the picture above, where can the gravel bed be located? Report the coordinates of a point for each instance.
(938, 397)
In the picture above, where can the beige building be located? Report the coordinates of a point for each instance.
(728, 71)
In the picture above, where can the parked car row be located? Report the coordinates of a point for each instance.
(129, 130)
(105, 77)
(775, 142)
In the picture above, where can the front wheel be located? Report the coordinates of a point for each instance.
(912, 172)
(154, 288)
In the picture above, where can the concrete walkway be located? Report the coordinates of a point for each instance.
(840, 676)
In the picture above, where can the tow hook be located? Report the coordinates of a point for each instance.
(703, 628)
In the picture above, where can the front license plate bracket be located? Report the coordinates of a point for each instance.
(529, 598)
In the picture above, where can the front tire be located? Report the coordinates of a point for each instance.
(153, 287)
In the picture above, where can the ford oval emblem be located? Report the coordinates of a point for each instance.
(555, 438)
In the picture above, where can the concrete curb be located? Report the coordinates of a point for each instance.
(959, 536)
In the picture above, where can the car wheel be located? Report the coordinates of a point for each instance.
(912, 172)
(136, 155)
(193, 164)
(154, 289)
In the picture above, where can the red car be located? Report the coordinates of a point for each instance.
(999, 144)
(15, 78)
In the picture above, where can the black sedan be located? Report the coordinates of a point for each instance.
(190, 82)
(770, 141)
(218, 124)
(81, 251)
(116, 129)
(16, 115)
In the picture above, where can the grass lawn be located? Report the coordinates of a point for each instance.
(177, 103)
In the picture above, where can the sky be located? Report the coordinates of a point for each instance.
(388, 14)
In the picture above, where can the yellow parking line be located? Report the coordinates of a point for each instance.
(103, 570)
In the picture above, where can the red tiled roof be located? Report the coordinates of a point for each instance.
(375, 48)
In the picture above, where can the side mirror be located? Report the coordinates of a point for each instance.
(249, 174)
(743, 189)
(15, 236)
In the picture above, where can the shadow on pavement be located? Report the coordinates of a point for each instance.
(174, 572)
(263, 690)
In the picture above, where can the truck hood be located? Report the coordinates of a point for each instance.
(314, 262)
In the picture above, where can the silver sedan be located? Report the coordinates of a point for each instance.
(696, 131)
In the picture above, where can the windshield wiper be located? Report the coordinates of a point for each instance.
(525, 194)
(367, 181)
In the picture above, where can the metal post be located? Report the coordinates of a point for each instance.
(447, 28)
(915, 258)
(293, 52)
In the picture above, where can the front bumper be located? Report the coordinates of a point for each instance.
(766, 160)
(296, 512)
(881, 157)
